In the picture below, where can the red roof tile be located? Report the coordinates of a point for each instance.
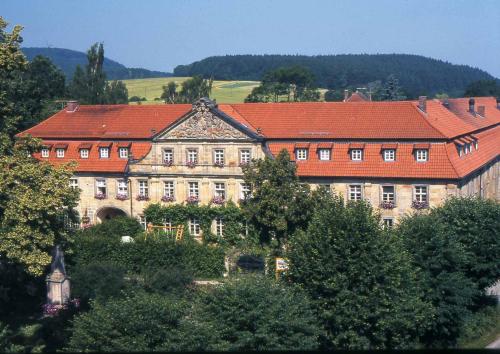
(387, 146)
(325, 145)
(356, 146)
(85, 146)
(94, 163)
(302, 145)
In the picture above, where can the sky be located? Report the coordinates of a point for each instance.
(158, 35)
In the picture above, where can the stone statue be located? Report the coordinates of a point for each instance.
(58, 291)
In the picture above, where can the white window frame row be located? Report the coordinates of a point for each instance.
(218, 155)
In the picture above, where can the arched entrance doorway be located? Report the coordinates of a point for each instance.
(108, 213)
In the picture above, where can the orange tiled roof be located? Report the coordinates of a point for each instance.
(94, 163)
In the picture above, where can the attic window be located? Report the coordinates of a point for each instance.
(45, 152)
(301, 154)
(60, 153)
(356, 154)
(389, 155)
(324, 154)
(103, 152)
(422, 155)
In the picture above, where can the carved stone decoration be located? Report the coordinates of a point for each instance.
(58, 290)
(203, 124)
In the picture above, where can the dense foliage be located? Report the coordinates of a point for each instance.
(146, 254)
(418, 75)
(253, 313)
(293, 84)
(455, 248)
(483, 88)
(89, 85)
(191, 90)
(35, 200)
(359, 277)
(279, 203)
(138, 322)
(67, 61)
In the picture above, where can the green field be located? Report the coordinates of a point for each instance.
(222, 91)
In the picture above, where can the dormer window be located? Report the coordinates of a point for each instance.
(422, 155)
(84, 153)
(123, 152)
(357, 154)
(45, 152)
(103, 152)
(389, 155)
(60, 153)
(301, 154)
(324, 154)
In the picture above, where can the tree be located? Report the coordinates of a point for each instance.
(169, 94)
(116, 92)
(35, 197)
(334, 96)
(391, 90)
(253, 313)
(359, 277)
(137, 322)
(296, 83)
(13, 65)
(483, 88)
(279, 204)
(440, 260)
(191, 90)
(89, 86)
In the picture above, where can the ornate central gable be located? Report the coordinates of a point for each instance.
(204, 121)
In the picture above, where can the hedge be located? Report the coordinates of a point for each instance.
(205, 261)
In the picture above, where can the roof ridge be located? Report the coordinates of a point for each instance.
(426, 120)
(242, 116)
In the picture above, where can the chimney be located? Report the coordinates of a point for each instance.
(472, 103)
(498, 102)
(422, 103)
(481, 110)
(446, 103)
(71, 106)
(346, 95)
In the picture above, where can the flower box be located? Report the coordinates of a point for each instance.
(167, 198)
(387, 204)
(191, 164)
(141, 198)
(419, 205)
(219, 164)
(192, 200)
(168, 163)
(100, 196)
(218, 200)
(122, 196)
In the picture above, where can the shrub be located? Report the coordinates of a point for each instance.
(98, 280)
(167, 280)
(359, 277)
(138, 322)
(253, 313)
(114, 228)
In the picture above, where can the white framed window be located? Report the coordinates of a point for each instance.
(73, 183)
(192, 155)
(84, 153)
(388, 223)
(245, 156)
(355, 192)
(357, 154)
(143, 221)
(193, 190)
(219, 226)
(103, 152)
(45, 152)
(168, 156)
(59, 153)
(421, 194)
(219, 156)
(122, 187)
(143, 187)
(245, 190)
(194, 227)
(388, 194)
(327, 186)
(101, 187)
(324, 154)
(167, 223)
(476, 145)
(389, 155)
(168, 188)
(123, 152)
(421, 155)
(301, 154)
(220, 190)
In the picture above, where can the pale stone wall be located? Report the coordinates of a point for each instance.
(484, 183)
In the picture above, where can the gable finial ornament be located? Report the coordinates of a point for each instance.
(204, 104)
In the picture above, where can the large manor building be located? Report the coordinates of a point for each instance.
(399, 156)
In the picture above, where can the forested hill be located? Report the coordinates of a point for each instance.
(67, 60)
(417, 75)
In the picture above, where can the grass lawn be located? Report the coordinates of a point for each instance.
(222, 91)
